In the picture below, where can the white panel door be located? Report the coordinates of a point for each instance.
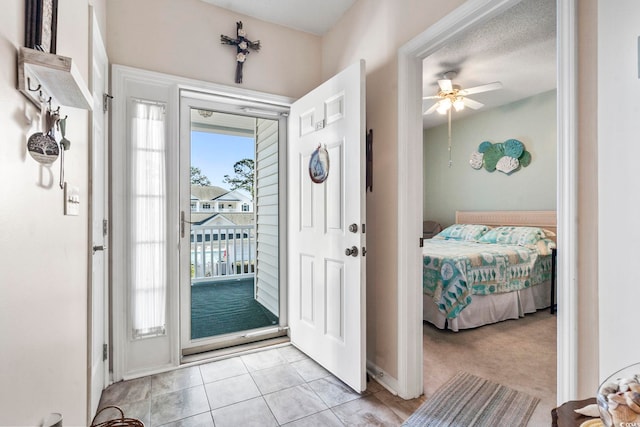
(99, 209)
(327, 286)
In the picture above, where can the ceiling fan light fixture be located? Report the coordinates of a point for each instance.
(458, 104)
(443, 106)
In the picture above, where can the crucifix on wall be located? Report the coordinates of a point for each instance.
(242, 45)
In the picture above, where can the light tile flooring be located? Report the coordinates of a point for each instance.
(275, 387)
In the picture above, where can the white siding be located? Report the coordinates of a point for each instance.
(266, 199)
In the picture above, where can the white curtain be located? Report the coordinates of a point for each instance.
(147, 205)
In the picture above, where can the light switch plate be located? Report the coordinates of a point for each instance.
(71, 200)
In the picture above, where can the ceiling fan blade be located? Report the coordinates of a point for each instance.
(445, 85)
(474, 105)
(481, 88)
(431, 97)
(431, 109)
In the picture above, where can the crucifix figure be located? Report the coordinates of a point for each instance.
(242, 45)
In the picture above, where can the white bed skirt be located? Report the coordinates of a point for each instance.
(485, 309)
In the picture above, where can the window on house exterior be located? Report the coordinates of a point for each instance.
(206, 206)
(245, 207)
(220, 205)
(194, 206)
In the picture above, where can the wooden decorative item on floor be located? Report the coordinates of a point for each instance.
(122, 421)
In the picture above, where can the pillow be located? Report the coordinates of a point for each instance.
(513, 235)
(548, 233)
(462, 232)
(544, 246)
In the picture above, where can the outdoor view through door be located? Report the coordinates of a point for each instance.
(233, 219)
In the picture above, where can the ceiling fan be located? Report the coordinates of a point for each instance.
(453, 96)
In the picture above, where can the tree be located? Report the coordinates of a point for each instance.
(244, 176)
(198, 178)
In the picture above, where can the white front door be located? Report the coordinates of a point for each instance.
(326, 221)
(99, 156)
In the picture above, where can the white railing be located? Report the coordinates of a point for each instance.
(222, 252)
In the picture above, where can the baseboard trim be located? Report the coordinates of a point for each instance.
(383, 378)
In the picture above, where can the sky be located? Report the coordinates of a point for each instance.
(215, 154)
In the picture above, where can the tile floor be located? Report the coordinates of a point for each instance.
(275, 387)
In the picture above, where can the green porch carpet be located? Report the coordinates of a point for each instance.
(224, 307)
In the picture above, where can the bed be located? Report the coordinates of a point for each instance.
(488, 267)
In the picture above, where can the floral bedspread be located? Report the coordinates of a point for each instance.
(454, 271)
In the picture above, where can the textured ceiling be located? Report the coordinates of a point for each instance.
(517, 48)
(311, 16)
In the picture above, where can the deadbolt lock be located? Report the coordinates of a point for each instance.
(353, 228)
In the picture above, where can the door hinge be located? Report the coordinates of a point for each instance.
(105, 352)
(422, 242)
(105, 227)
(106, 98)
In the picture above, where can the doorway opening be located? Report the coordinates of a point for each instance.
(230, 205)
(410, 198)
(499, 102)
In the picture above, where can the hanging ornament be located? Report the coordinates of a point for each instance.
(319, 164)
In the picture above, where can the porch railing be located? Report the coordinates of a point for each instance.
(222, 252)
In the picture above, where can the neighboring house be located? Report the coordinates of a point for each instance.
(243, 223)
(222, 222)
(217, 199)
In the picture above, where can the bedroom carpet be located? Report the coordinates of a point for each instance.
(520, 354)
(470, 401)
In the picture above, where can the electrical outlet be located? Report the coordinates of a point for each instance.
(71, 200)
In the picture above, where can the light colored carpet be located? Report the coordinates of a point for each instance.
(520, 354)
(470, 401)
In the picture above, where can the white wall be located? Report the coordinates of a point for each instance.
(618, 183)
(182, 38)
(43, 254)
(460, 187)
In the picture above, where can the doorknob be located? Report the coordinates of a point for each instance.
(352, 251)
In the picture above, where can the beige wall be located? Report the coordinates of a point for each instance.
(588, 335)
(460, 187)
(43, 254)
(182, 38)
(374, 30)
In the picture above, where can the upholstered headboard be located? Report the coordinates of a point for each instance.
(542, 219)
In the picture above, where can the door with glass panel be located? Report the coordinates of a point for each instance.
(229, 224)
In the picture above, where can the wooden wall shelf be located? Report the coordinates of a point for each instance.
(42, 75)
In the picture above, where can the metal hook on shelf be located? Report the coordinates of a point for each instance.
(29, 86)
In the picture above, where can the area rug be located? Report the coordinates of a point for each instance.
(467, 400)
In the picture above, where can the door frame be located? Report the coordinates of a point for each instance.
(123, 77)
(189, 99)
(410, 195)
(98, 51)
